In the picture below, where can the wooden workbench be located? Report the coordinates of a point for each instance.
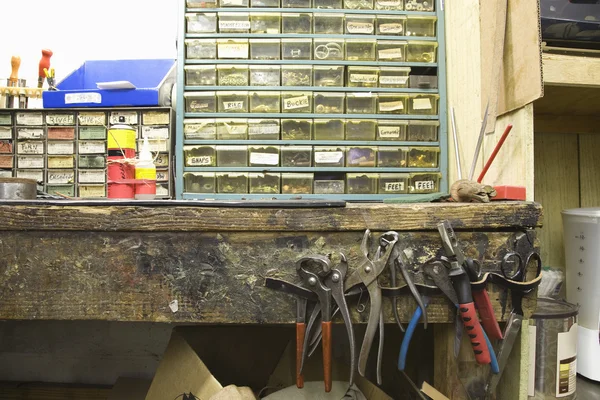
(203, 264)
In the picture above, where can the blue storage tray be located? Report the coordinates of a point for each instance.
(153, 80)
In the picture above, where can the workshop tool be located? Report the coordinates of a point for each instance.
(457, 154)
(44, 65)
(50, 77)
(494, 153)
(479, 142)
(384, 242)
(482, 301)
(462, 286)
(14, 81)
(402, 261)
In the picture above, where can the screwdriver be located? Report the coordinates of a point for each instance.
(13, 81)
(44, 64)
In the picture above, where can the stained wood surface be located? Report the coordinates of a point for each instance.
(571, 70)
(589, 167)
(353, 217)
(212, 277)
(40, 391)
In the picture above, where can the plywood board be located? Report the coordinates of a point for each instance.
(569, 124)
(570, 101)
(589, 167)
(571, 70)
(556, 188)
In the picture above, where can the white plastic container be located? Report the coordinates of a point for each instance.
(581, 227)
(145, 169)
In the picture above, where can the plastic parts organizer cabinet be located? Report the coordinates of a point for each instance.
(338, 99)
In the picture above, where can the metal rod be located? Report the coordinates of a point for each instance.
(479, 142)
(453, 120)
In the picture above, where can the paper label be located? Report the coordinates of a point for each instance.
(363, 78)
(92, 191)
(60, 162)
(23, 133)
(61, 176)
(35, 175)
(5, 119)
(6, 147)
(263, 129)
(532, 351)
(394, 186)
(566, 362)
(389, 54)
(156, 145)
(328, 157)
(155, 132)
(359, 27)
(155, 118)
(234, 25)
(162, 176)
(233, 105)
(393, 80)
(424, 185)
(60, 148)
(161, 160)
(92, 132)
(162, 190)
(390, 28)
(30, 148)
(422, 104)
(73, 98)
(92, 176)
(232, 2)
(30, 162)
(91, 118)
(391, 106)
(124, 117)
(198, 105)
(295, 102)
(389, 131)
(389, 3)
(4, 173)
(264, 158)
(5, 132)
(92, 147)
(60, 119)
(30, 119)
(233, 50)
(200, 161)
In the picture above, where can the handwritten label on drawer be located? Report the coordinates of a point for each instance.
(30, 133)
(296, 102)
(162, 175)
(328, 157)
(5, 119)
(92, 132)
(156, 145)
(422, 104)
(263, 129)
(60, 119)
(199, 105)
(60, 148)
(155, 132)
(199, 129)
(92, 119)
(6, 147)
(233, 50)
(390, 28)
(30, 162)
(155, 118)
(123, 117)
(30, 147)
(92, 191)
(6, 161)
(30, 119)
(161, 160)
(264, 158)
(76, 98)
(424, 185)
(201, 161)
(393, 186)
(92, 147)
(61, 133)
(359, 27)
(162, 190)
(389, 131)
(6, 173)
(232, 2)
(389, 3)
(391, 106)
(363, 78)
(393, 80)
(35, 175)
(67, 176)
(92, 176)
(234, 25)
(5, 132)
(389, 54)
(236, 129)
(233, 105)
(60, 162)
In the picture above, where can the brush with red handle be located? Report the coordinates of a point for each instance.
(44, 64)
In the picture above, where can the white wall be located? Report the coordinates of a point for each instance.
(80, 30)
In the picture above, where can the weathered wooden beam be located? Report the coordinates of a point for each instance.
(353, 217)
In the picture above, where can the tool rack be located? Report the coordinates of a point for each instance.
(227, 151)
(65, 149)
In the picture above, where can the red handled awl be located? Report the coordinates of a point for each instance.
(462, 286)
(44, 65)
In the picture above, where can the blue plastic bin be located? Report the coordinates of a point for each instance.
(153, 80)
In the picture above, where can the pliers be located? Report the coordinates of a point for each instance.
(482, 300)
(366, 274)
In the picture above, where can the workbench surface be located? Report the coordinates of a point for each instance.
(205, 264)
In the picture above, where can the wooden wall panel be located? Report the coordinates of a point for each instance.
(589, 167)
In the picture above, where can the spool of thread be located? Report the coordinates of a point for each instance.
(120, 172)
